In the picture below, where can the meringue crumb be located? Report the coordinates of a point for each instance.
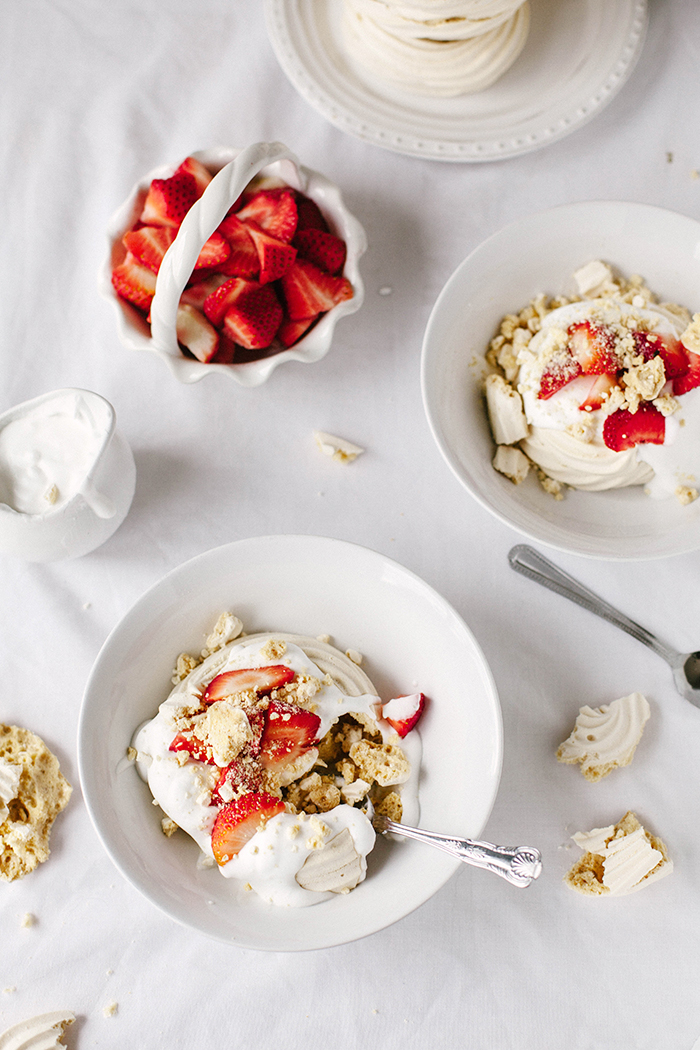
(337, 448)
(51, 495)
(28, 920)
(386, 290)
(168, 827)
(10, 989)
(110, 1009)
(352, 654)
(685, 494)
(131, 753)
(325, 638)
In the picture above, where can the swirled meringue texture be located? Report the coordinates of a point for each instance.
(605, 738)
(435, 57)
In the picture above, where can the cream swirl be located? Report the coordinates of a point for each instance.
(606, 737)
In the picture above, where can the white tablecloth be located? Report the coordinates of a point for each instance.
(94, 95)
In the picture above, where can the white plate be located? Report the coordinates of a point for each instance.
(539, 254)
(578, 55)
(411, 639)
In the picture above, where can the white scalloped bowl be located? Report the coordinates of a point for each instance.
(539, 253)
(135, 333)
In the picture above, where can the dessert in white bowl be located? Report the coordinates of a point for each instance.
(266, 752)
(599, 390)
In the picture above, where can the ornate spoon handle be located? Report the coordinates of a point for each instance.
(519, 865)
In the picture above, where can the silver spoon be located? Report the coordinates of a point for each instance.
(685, 666)
(519, 865)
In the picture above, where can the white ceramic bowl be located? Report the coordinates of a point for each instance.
(410, 638)
(272, 159)
(539, 254)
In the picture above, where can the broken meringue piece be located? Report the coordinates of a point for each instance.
(618, 859)
(505, 411)
(337, 448)
(43, 1032)
(337, 868)
(606, 737)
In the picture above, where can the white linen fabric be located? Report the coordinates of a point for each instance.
(95, 94)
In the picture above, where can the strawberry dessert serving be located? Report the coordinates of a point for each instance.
(261, 281)
(599, 390)
(266, 753)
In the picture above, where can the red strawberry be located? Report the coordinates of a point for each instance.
(197, 293)
(149, 244)
(237, 778)
(195, 332)
(289, 332)
(289, 732)
(309, 291)
(599, 386)
(275, 211)
(215, 251)
(593, 346)
(403, 712)
(561, 368)
(169, 200)
(226, 354)
(201, 175)
(238, 821)
(134, 282)
(253, 320)
(309, 214)
(193, 747)
(223, 297)
(323, 249)
(691, 379)
(623, 430)
(243, 260)
(670, 350)
(275, 256)
(260, 679)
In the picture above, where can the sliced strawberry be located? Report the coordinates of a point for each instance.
(197, 293)
(169, 200)
(691, 379)
(223, 298)
(215, 251)
(275, 211)
(309, 214)
(253, 320)
(201, 175)
(275, 257)
(599, 386)
(243, 259)
(623, 430)
(670, 350)
(323, 249)
(289, 732)
(134, 282)
(227, 352)
(194, 747)
(560, 369)
(261, 680)
(290, 332)
(593, 346)
(149, 244)
(195, 332)
(309, 291)
(403, 712)
(238, 821)
(237, 778)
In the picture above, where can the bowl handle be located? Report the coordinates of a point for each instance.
(197, 227)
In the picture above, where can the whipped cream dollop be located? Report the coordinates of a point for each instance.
(278, 862)
(606, 737)
(47, 453)
(426, 52)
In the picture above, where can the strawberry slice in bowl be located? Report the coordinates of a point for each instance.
(239, 820)
(283, 199)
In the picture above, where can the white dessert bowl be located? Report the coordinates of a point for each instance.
(539, 254)
(410, 639)
(99, 497)
(267, 159)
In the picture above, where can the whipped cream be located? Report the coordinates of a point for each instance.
(606, 737)
(276, 854)
(47, 454)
